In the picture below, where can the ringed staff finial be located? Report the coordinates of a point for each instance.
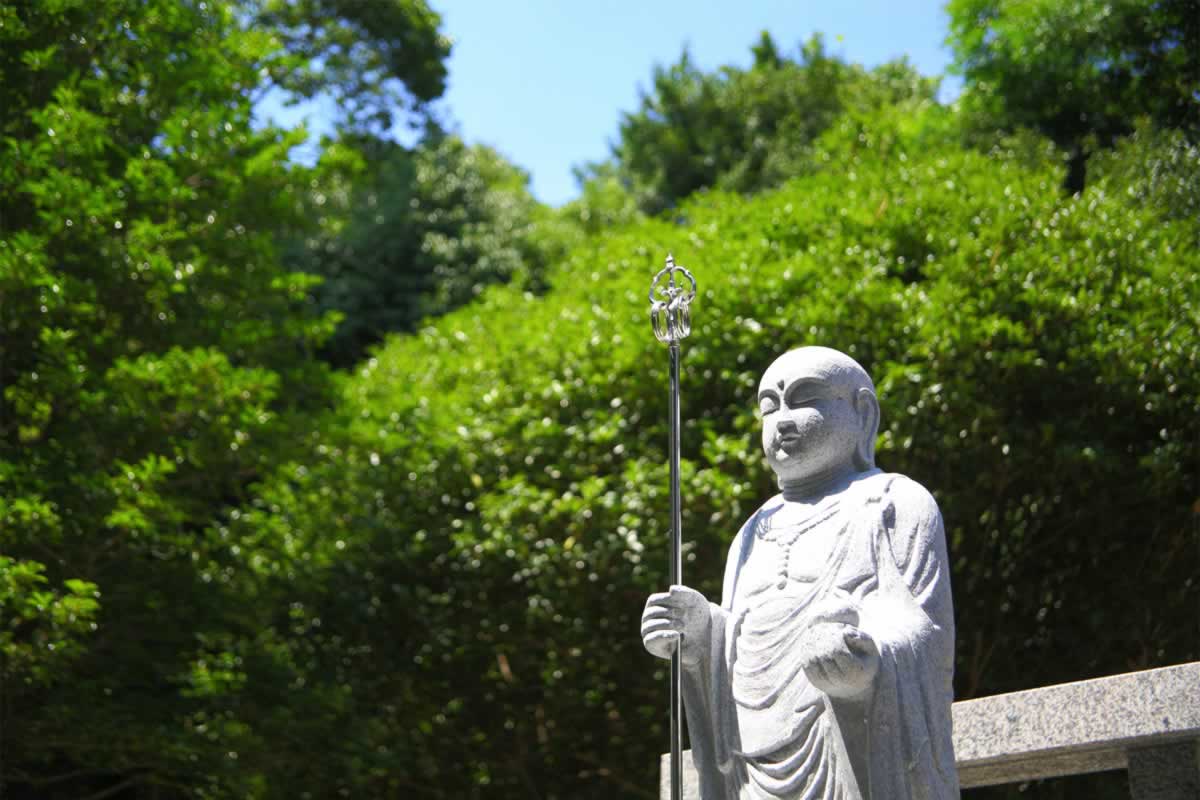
(670, 302)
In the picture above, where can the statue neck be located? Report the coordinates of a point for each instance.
(811, 488)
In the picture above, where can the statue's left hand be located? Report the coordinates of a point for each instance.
(840, 660)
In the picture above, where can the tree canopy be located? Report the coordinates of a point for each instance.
(372, 58)
(1082, 72)
(745, 129)
(155, 358)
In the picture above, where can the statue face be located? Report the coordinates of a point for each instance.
(816, 413)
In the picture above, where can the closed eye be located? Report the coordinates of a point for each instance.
(768, 404)
(804, 393)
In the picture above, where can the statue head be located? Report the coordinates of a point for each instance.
(819, 415)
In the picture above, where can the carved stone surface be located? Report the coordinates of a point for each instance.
(1040, 733)
(825, 671)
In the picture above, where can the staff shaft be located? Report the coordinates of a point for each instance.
(676, 575)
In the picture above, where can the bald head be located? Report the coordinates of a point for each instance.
(818, 407)
(825, 364)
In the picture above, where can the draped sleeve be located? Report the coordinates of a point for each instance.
(910, 615)
(707, 690)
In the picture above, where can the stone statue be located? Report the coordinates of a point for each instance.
(825, 672)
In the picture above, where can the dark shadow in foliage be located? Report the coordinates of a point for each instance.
(1112, 785)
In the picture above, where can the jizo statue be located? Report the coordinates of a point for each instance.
(825, 670)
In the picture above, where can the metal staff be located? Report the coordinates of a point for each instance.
(672, 321)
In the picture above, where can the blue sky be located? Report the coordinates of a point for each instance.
(545, 82)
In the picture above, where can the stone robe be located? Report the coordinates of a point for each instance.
(758, 727)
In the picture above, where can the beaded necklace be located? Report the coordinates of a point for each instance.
(785, 536)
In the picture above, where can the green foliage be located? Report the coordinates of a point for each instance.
(42, 630)
(371, 57)
(226, 573)
(1080, 72)
(403, 234)
(154, 363)
(746, 129)
(1157, 167)
(604, 201)
(468, 552)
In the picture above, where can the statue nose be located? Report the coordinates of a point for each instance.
(786, 426)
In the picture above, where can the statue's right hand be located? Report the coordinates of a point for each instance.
(678, 615)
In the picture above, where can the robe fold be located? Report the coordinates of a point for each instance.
(759, 729)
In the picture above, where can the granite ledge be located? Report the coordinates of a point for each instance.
(1067, 729)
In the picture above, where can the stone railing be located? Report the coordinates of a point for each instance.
(1145, 722)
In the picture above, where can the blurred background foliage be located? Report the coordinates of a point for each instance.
(403, 233)
(347, 479)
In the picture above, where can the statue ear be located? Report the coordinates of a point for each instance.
(867, 406)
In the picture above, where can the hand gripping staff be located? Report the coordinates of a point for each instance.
(672, 321)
